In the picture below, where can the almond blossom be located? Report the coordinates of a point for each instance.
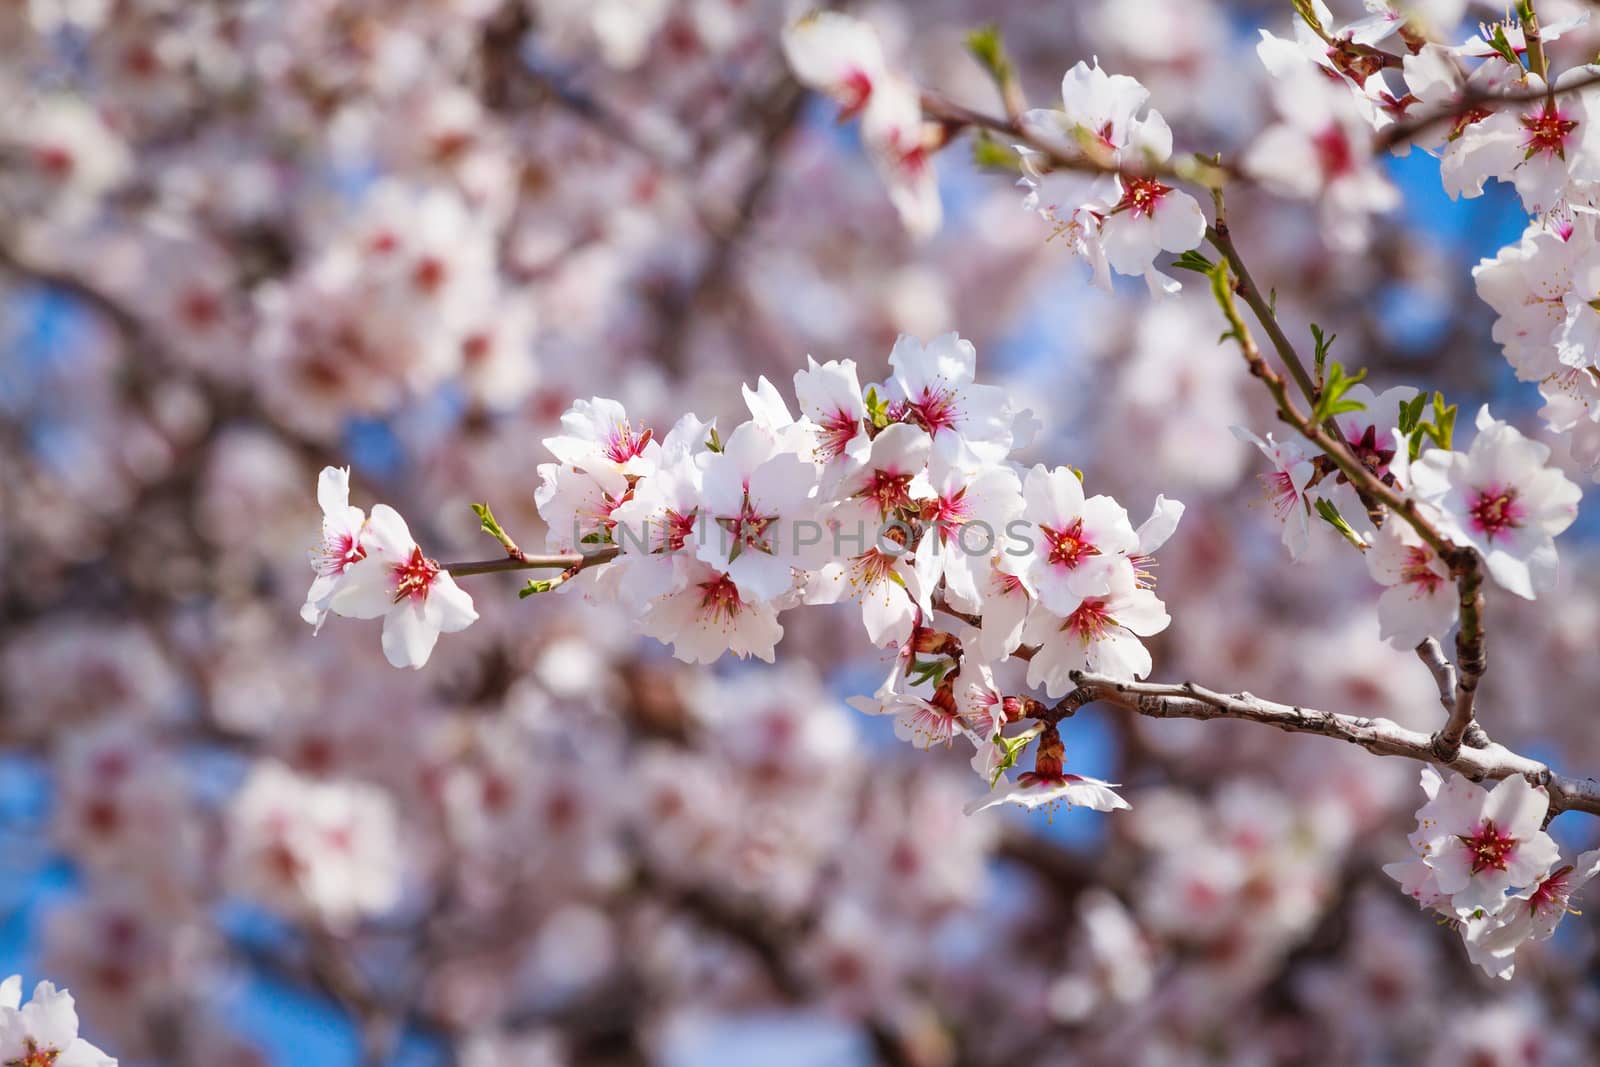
(1501, 498)
(1421, 599)
(341, 547)
(1080, 544)
(1481, 842)
(1049, 786)
(1127, 219)
(1101, 634)
(1286, 486)
(44, 1031)
(416, 597)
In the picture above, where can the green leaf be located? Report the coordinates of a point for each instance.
(1330, 514)
(487, 521)
(1411, 412)
(599, 537)
(990, 154)
(543, 585)
(1444, 421)
(929, 671)
(1307, 10)
(1192, 260)
(1332, 400)
(877, 408)
(1324, 342)
(1501, 44)
(714, 441)
(1012, 748)
(985, 46)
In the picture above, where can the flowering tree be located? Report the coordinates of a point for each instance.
(497, 266)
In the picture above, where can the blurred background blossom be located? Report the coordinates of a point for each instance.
(244, 239)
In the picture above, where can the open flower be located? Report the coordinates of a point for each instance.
(1480, 842)
(416, 597)
(1101, 634)
(341, 547)
(1421, 600)
(1080, 544)
(1048, 786)
(44, 1031)
(1500, 498)
(708, 615)
(1125, 219)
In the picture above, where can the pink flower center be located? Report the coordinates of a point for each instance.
(1142, 196)
(935, 410)
(1490, 847)
(1418, 572)
(1553, 893)
(1068, 546)
(429, 275)
(937, 726)
(339, 552)
(1091, 621)
(677, 529)
(622, 444)
(870, 568)
(414, 577)
(854, 89)
(1281, 490)
(748, 529)
(1548, 131)
(889, 490)
(947, 513)
(719, 599)
(35, 1056)
(1495, 510)
(55, 161)
(1334, 155)
(838, 430)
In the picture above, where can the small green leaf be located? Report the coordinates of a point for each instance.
(1411, 412)
(543, 585)
(1330, 514)
(877, 408)
(990, 154)
(599, 537)
(1192, 260)
(1332, 400)
(984, 45)
(714, 441)
(1444, 421)
(1502, 45)
(487, 521)
(1307, 10)
(1324, 342)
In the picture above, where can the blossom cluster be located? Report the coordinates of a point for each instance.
(1500, 498)
(899, 497)
(370, 567)
(1482, 859)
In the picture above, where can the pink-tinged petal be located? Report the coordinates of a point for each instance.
(50, 1017)
(454, 606)
(333, 490)
(1517, 807)
(366, 590)
(408, 639)
(388, 534)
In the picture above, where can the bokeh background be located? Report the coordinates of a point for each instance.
(242, 239)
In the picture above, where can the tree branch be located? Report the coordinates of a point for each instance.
(1186, 700)
(561, 561)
